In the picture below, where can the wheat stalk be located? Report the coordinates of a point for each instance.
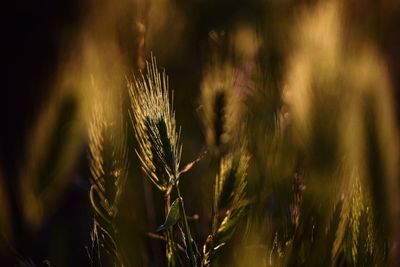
(108, 166)
(220, 106)
(160, 150)
(229, 201)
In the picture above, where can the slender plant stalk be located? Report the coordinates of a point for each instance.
(108, 165)
(159, 147)
(171, 249)
(186, 227)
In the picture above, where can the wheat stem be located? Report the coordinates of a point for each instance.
(188, 235)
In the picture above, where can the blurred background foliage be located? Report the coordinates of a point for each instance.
(313, 85)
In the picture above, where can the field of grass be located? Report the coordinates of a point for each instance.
(244, 133)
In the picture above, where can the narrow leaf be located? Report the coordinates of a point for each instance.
(173, 216)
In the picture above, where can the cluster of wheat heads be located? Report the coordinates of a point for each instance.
(160, 152)
(322, 159)
(325, 167)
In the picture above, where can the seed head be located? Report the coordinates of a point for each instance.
(154, 124)
(221, 105)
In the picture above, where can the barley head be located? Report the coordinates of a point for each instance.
(154, 124)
